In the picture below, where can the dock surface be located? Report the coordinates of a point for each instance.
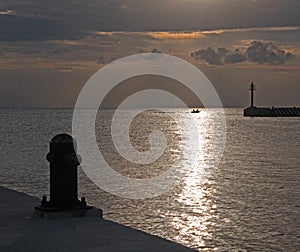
(20, 232)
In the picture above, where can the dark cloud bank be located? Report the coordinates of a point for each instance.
(38, 19)
(14, 28)
(257, 52)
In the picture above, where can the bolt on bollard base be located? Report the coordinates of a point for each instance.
(64, 200)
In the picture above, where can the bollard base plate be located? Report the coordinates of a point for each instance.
(54, 213)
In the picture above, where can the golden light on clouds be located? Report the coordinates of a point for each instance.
(165, 35)
(104, 33)
(69, 42)
(188, 35)
(177, 35)
(100, 48)
(8, 12)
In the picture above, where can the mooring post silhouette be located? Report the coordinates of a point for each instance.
(64, 163)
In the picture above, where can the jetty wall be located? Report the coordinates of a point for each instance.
(272, 112)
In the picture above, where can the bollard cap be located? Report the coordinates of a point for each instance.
(62, 138)
(62, 143)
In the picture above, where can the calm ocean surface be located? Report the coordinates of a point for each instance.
(250, 202)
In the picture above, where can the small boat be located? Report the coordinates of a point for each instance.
(195, 111)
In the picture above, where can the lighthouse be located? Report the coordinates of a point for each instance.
(269, 112)
(252, 89)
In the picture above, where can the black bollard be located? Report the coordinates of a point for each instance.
(63, 177)
(63, 173)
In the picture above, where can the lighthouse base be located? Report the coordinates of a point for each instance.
(271, 112)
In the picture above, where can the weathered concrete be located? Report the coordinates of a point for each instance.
(20, 232)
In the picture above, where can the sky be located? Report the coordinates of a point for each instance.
(49, 49)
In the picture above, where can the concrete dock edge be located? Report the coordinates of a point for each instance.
(20, 232)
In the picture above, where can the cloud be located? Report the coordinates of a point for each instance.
(257, 52)
(236, 57)
(170, 15)
(182, 35)
(267, 53)
(16, 28)
(210, 55)
(156, 51)
(106, 60)
(7, 12)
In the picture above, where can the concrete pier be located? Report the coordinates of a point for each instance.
(19, 231)
(272, 112)
(254, 111)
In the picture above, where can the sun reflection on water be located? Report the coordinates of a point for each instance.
(196, 196)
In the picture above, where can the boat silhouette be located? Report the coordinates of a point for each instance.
(195, 111)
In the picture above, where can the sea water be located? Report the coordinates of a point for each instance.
(250, 201)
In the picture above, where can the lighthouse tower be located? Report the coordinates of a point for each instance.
(252, 89)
